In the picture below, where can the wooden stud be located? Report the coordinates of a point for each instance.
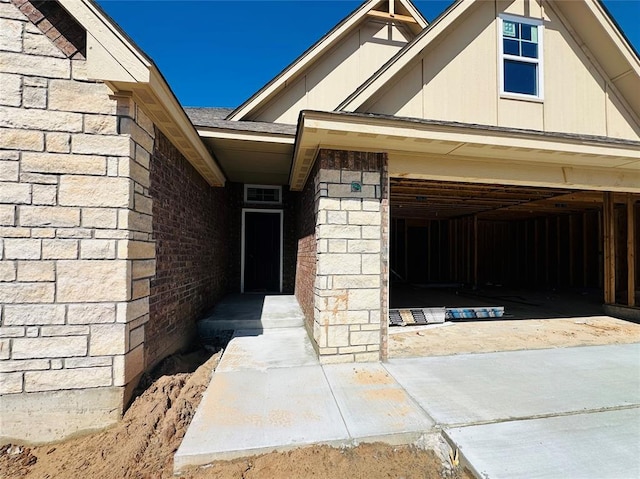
(609, 227)
(389, 16)
(631, 251)
(475, 250)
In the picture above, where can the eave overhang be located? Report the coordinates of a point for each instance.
(470, 153)
(113, 58)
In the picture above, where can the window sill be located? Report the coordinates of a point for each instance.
(516, 96)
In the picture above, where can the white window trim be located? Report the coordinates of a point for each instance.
(242, 246)
(267, 187)
(539, 61)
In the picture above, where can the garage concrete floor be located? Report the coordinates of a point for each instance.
(567, 412)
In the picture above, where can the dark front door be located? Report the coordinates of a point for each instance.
(261, 251)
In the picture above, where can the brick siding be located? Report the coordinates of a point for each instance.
(190, 226)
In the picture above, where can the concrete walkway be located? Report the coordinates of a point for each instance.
(571, 412)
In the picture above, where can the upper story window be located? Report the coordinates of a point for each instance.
(521, 57)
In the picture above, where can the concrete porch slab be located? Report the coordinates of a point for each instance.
(474, 388)
(252, 311)
(251, 412)
(373, 404)
(589, 446)
(261, 350)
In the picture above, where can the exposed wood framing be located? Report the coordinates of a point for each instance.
(609, 228)
(392, 16)
(631, 251)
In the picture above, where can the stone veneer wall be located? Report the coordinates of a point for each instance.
(190, 227)
(352, 254)
(76, 252)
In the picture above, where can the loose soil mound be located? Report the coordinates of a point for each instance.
(142, 445)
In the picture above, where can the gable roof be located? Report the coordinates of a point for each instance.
(114, 58)
(591, 10)
(329, 40)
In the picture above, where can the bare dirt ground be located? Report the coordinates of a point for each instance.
(143, 443)
(509, 335)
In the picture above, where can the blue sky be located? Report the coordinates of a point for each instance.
(218, 53)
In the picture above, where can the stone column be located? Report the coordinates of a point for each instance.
(351, 277)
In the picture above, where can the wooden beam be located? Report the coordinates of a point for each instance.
(395, 17)
(475, 250)
(631, 251)
(609, 227)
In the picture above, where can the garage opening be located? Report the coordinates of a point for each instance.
(471, 252)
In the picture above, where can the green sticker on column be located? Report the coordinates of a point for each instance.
(356, 187)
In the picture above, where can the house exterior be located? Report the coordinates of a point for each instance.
(504, 136)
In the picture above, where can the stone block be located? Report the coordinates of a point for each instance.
(16, 193)
(22, 248)
(32, 315)
(23, 140)
(26, 293)
(32, 332)
(371, 264)
(101, 124)
(99, 218)
(11, 332)
(97, 249)
(5, 349)
(7, 271)
(82, 378)
(58, 142)
(367, 357)
(337, 246)
(370, 205)
(34, 97)
(143, 269)
(371, 232)
(358, 338)
(131, 220)
(337, 336)
(10, 383)
(81, 97)
(39, 178)
(23, 365)
(64, 164)
(9, 170)
(108, 339)
(356, 281)
(332, 204)
(7, 215)
(344, 191)
(371, 177)
(346, 176)
(364, 218)
(127, 367)
(140, 289)
(91, 313)
(36, 271)
(352, 349)
(95, 191)
(336, 263)
(32, 119)
(363, 246)
(136, 250)
(38, 44)
(351, 204)
(137, 133)
(59, 249)
(338, 231)
(93, 281)
(14, 232)
(56, 216)
(10, 89)
(337, 217)
(102, 145)
(143, 204)
(89, 362)
(44, 194)
(55, 347)
(329, 176)
(66, 330)
(136, 337)
(364, 299)
(11, 35)
(143, 157)
(336, 359)
(129, 311)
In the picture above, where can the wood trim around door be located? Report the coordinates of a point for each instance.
(242, 245)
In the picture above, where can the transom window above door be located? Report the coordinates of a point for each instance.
(521, 49)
